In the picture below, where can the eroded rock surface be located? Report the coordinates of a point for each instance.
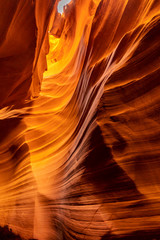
(79, 119)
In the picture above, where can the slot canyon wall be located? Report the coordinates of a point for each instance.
(80, 119)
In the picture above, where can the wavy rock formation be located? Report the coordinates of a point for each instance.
(80, 119)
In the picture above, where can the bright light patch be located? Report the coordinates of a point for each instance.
(61, 4)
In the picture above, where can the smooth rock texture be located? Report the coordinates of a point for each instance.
(80, 119)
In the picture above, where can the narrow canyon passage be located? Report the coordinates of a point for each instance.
(80, 119)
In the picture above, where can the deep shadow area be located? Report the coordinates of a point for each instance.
(106, 175)
(137, 235)
(7, 234)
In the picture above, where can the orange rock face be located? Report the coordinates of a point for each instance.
(80, 119)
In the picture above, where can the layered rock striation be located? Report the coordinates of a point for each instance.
(79, 119)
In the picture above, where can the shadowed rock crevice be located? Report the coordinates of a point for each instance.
(79, 120)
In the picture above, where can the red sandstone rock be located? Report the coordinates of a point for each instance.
(79, 152)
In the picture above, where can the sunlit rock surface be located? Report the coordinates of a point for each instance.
(80, 119)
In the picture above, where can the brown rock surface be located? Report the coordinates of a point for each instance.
(80, 142)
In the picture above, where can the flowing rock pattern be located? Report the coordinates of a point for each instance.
(80, 119)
